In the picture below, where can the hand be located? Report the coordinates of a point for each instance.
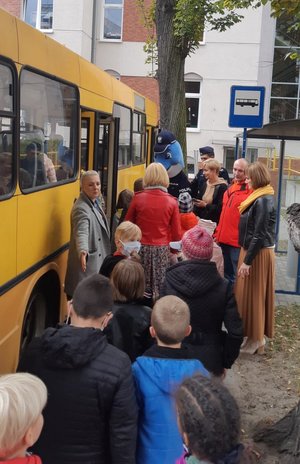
(200, 203)
(244, 270)
(83, 256)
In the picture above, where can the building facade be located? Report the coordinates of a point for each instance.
(111, 34)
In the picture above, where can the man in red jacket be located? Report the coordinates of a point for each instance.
(227, 232)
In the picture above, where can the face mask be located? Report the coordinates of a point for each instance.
(129, 247)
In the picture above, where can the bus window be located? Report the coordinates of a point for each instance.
(124, 135)
(138, 138)
(48, 118)
(6, 130)
(85, 131)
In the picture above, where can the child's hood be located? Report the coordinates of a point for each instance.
(164, 374)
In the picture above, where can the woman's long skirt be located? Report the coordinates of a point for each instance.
(255, 295)
(155, 260)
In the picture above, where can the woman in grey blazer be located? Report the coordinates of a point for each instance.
(90, 242)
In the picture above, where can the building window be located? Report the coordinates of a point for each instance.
(112, 20)
(39, 14)
(192, 100)
(285, 94)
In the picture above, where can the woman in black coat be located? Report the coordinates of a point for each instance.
(129, 328)
(208, 204)
(211, 301)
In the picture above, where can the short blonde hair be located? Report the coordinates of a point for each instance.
(22, 399)
(128, 232)
(156, 175)
(170, 319)
(212, 164)
(259, 175)
(128, 280)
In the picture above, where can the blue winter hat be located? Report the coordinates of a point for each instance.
(207, 151)
(163, 140)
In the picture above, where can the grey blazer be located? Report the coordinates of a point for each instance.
(90, 233)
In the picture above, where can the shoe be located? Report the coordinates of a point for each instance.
(253, 347)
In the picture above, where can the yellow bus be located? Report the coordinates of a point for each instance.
(58, 114)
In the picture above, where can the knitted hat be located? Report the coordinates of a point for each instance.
(197, 244)
(185, 202)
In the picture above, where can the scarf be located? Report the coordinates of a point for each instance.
(257, 193)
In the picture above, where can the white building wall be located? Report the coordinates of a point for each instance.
(242, 55)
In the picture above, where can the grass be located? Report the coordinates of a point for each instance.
(287, 329)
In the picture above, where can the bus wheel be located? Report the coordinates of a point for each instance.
(35, 318)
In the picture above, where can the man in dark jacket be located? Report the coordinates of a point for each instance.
(197, 282)
(91, 412)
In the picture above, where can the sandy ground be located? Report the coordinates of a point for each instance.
(266, 388)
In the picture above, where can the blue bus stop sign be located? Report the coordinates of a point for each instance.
(246, 106)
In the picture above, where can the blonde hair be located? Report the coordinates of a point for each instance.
(128, 280)
(170, 319)
(88, 174)
(212, 164)
(128, 232)
(259, 175)
(156, 175)
(22, 399)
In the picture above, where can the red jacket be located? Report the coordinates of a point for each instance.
(227, 231)
(157, 214)
(30, 459)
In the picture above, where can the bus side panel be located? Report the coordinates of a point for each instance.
(8, 239)
(127, 176)
(43, 219)
(13, 306)
(8, 47)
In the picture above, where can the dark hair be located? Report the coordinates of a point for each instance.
(128, 280)
(138, 185)
(93, 297)
(209, 416)
(124, 199)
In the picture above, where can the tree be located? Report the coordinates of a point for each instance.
(179, 29)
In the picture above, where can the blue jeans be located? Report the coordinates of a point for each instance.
(231, 257)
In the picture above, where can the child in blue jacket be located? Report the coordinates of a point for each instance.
(157, 374)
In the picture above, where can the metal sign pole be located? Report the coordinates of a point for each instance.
(244, 143)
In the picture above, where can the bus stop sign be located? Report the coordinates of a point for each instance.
(246, 106)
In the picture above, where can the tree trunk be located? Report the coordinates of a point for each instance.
(284, 436)
(170, 73)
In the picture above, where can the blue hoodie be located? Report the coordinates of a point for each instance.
(157, 374)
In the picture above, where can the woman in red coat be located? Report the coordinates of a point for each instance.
(157, 215)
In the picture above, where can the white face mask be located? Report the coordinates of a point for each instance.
(129, 247)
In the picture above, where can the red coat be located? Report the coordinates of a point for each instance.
(157, 214)
(30, 459)
(228, 228)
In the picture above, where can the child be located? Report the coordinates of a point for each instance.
(138, 185)
(157, 373)
(187, 218)
(127, 241)
(22, 400)
(129, 328)
(209, 421)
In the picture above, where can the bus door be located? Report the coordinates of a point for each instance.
(104, 160)
(97, 153)
(87, 139)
